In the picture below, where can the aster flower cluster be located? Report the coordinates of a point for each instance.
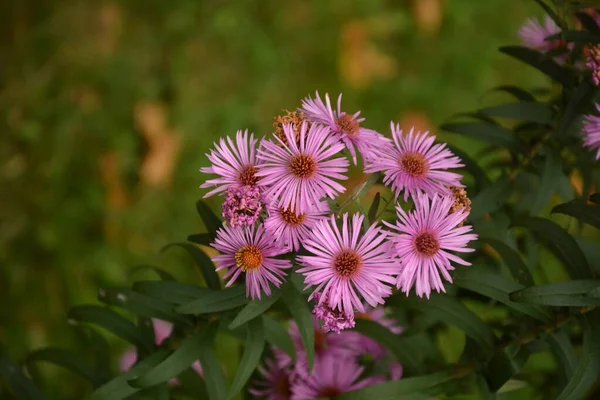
(276, 211)
(339, 366)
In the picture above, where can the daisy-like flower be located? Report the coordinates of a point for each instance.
(234, 162)
(346, 127)
(425, 237)
(242, 205)
(416, 164)
(533, 35)
(275, 384)
(251, 251)
(292, 228)
(345, 266)
(332, 375)
(298, 175)
(591, 132)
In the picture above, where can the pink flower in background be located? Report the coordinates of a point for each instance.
(242, 205)
(332, 375)
(591, 132)
(275, 384)
(345, 264)
(299, 175)
(292, 228)
(425, 237)
(162, 330)
(365, 344)
(234, 162)
(533, 34)
(415, 164)
(251, 251)
(346, 127)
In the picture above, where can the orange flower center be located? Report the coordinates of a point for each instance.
(303, 166)
(247, 176)
(347, 263)
(414, 164)
(348, 125)
(248, 258)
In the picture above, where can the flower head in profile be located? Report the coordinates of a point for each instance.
(234, 162)
(346, 127)
(591, 132)
(346, 266)
(250, 250)
(332, 375)
(533, 35)
(415, 164)
(299, 175)
(275, 384)
(290, 227)
(242, 205)
(424, 240)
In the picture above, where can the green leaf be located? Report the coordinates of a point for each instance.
(398, 390)
(118, 388)
(406, 355)
(298, 307)
(205, 239)
(548, 182)
(580, 210)
(216, 301)
(177, 362)
(572, 293)
(213, 373)
(564, 351)
(21, 386)
(255, 343)
(141, 305)
(581, 37)
(498, 288)
(490, 199)
(559, 242)
(481, 178)
(361, 189)
(112, 322)
(484, 131)
(531, 111)
(254, 309)
(505, 364)
(210, 219)
(588, 370)
(551, 13)
(170, 291)
(202, 261)
(540, 62)
(450, 311)
(517, 92)
(512, 260)
(372, 214)
(68, 360)
(579, 100)
(278, 336)
(588, 22)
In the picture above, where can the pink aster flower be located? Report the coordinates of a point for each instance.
(365, 344)
(591, 132)
(416, 164)
(332, 375)
(275, 384)
(425, 237)
(298, 175)
(533, 35)
(345, 264)
(292, 228)
(346, 127)
(333, 320)
(234, 162)
(251, 251)
(242, 205)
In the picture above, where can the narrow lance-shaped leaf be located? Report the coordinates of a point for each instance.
(171, 292)
(572, 293)
(540, 62)
(254, 345)
(254, 309)
(213, 373)
(505, 364)
(216, 301)
(490, 199)
(372, 215)
(558, 241)
(512, 260)
(484, 131)
(210, 219)
(68, 360)
(202, 261)
(548, 182)
(524, 111)
(301, 314)
(517, 92)
(580, 210)
(564, 351)
(579, 100)
(278, 336)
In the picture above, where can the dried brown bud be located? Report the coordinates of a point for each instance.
(291, 117)
(461, 200)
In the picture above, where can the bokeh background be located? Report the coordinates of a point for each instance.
(108, 108)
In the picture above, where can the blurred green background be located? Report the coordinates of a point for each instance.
(108, 107)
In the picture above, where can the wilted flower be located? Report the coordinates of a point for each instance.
(298, 176)
(291, 117)
(591, 132)
(251, 251)
(242, 205)
(235, 163)
(346, 127)
(345, 264)
(416, 164)
(292, 228)
(425, 235)
(592, 55)
(333, 320)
